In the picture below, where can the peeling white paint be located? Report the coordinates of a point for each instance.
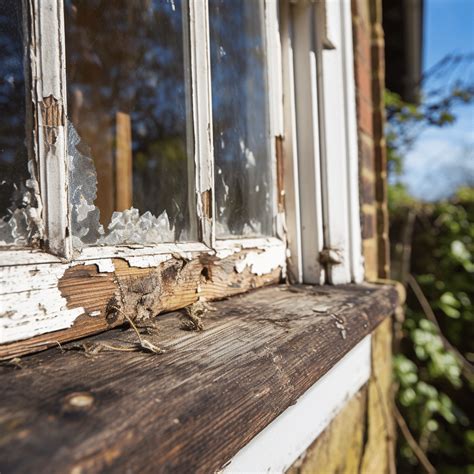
(225, 248)
(129, 252)
(201, 108)
(262, 262)
(148, 261)
(31, 303)
(104, 265)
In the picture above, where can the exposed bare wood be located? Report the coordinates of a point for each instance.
(73, 300)
(280, 173)
(193, 407)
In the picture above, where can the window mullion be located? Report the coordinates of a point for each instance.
(275, 106)
(49, 97)
(308, 142)
(290, 149)
(355, 237)
(334, 136)
(202, 118)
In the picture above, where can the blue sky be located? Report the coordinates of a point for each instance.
(441, 158)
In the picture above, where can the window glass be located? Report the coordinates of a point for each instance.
(131, 165)
(19, 217)
(240, 118)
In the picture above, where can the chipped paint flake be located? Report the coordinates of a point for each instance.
(104, 265)
(39, 310)
(148, 261)
(31, 302)
(262, 262)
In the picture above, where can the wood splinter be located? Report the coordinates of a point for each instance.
(191, 319)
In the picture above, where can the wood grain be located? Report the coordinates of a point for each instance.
(174, 284)
(123, 162)
(192, 408)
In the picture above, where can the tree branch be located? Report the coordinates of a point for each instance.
(467, 367)
(417, 451)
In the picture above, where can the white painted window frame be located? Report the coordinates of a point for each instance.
(49, 70)
(321, 217)
(321, 152)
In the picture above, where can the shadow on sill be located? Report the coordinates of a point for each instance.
(91, 407)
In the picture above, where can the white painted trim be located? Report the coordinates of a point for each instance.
(49, 71)
(290, 148)
(307, 131)
(355, 232)
(280, 444)
(31, 303)
(202, 114)
(272, 41)
(275, 99)
(12, 258)
(334, 159)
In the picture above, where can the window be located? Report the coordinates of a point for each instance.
(161, 151)
(19, 212)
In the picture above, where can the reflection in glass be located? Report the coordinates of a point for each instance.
(240, 115)
(128, 112)
(16, 193)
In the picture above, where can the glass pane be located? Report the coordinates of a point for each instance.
(131, 160)
(18, 216)
(240, 113)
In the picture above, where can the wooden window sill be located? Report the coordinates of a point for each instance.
(193, 407)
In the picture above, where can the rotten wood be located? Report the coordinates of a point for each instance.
(192, 408)
(91, 297)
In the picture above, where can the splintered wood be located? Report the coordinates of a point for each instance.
(48, 304)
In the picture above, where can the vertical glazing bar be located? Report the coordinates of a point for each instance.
(357, 267)
(290, 148)
(190, 132)
(307, 106)
(275, 105)
(49, 97)
(202, 118)
(333, 138)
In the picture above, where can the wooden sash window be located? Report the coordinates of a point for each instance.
(156, 153)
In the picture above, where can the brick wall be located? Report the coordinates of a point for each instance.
(370, 84)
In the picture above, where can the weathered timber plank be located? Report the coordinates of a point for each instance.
(79, 297)
(192, 408)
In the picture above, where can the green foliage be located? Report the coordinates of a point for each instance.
(435, 395)
(435, 387)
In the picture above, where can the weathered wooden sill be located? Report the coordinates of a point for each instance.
(193, 407)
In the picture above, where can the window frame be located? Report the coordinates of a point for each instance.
(324, 234)
(313, 256)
